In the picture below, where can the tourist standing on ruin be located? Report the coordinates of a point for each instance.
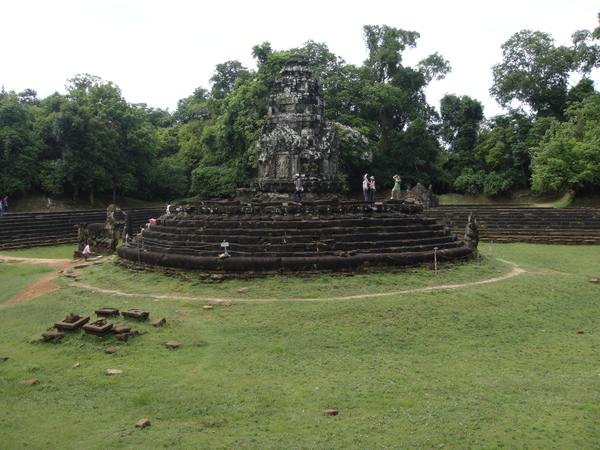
(372, 190)
(366, 187)
(299, 189)
(5, 204)
(396, 189)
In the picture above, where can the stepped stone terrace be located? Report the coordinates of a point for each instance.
(262, 238)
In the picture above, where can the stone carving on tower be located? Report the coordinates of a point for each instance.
(297, 138)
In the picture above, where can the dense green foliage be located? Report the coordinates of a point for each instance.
(92, 141)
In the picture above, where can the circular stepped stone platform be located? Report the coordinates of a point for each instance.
(279, 237)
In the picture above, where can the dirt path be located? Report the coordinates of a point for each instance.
(514, 272)
(44, 284)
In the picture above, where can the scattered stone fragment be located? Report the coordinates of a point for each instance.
(121, 330)
(113, 372)
(207, 307)
(331, 412)
(240, 290)
(594, 280)
(76, 365)
(111, 350)
(53, 336)
(159, 322)
(107, 312)
(122, 337)
(80, 266)
(3, 358)
(173, 344)
(29, 382)
(136, 313)
(143, 423)
(579, 331)
(134, 333)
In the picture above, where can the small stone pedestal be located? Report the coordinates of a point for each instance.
(72, 322)
(99, 327)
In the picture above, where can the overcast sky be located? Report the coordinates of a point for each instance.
(159, 52)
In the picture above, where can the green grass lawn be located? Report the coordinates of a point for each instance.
(482, 366)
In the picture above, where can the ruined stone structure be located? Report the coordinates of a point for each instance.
(102, 237)
(263, 238)
(262, 232)
(421, 195)
(297, 139)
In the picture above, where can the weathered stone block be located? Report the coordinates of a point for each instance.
(135, 313)
(99, 327)
(143, 423)
(72, 322)
(52, 336)
(107, 312)
(121, 330)
(159, 322)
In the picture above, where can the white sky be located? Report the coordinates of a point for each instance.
(159, 52)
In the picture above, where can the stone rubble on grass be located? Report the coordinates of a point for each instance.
(113, 372)
(173, 344)
(159, 322)
(52, 336)
(29, 382)
(143, 423)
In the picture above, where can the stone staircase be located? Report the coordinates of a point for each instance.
(27, 230)
(573, 226)
(316, 235)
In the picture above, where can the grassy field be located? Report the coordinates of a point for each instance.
(410, 359)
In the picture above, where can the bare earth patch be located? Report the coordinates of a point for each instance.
(43, 285)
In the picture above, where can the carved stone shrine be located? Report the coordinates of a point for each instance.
(266, 233)
(297, 138)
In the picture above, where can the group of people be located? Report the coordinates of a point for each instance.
(370, 189)
(368, 185)
(4, 205)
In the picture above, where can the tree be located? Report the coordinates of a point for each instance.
(385, 46)
(537, 73)
(19, 147)
(225, 77)
(568, 158)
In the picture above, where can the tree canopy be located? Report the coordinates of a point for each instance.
(91, 141)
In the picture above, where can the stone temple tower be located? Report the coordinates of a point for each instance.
(297, 138)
